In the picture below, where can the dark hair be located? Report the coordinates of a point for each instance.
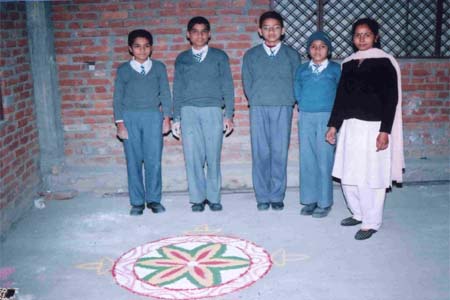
(373, 26)
(270, 15)
(198, 20)
(142, 33)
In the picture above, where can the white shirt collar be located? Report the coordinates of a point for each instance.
(203, 51)
(322, 65)
(273, 50)
(137, 65)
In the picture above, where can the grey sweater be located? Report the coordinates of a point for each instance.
(208, 83)
(270, 81)
(137, 92)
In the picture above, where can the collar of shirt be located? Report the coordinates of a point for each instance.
(203, 51)
(137, 66)
(273, 50)
(322, 66)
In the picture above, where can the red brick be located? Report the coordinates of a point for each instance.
(98, 82)
(114, 15)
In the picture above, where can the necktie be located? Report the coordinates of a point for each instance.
(316, 69)
(142, 70)
(272, 53)
(198, 57)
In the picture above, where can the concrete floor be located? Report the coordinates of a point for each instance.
(66, 250)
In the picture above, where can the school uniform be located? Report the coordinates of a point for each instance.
(202, 85)
(139, 91)
(368, 102)
(268, 76)
(315, 89)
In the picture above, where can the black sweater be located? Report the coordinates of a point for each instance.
(368, 92)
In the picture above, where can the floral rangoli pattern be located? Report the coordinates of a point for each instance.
(191, 267)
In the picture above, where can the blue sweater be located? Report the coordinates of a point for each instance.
(208, 83)
(136, 92)
(316, 92)
(269, 81)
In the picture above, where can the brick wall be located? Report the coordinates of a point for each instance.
(426, 107)
(19, 150)
(96, 31)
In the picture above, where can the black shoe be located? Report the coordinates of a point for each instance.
(308, 209)
(277, 205)
(198, 207)
(364, 234)
(350, 222)
(156, 207)
(213, 206)
(263, 206)
(137, 210)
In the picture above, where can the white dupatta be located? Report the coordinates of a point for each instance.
(396, 140)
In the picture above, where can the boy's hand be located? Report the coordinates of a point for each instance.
(330, 136)
(176, 130)
(228, 126)
(166, 126)
(382, 141)
(122, 131)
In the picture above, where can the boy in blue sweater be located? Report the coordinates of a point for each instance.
(268, 76)
(141, 88)
(202, 86)
(315, 89)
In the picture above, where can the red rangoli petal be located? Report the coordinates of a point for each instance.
(199, 272)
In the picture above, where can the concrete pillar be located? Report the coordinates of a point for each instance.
(46, 89)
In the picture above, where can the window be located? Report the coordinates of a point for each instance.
(409, 28)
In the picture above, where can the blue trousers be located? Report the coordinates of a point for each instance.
(316, 159)
(143, 150)
(202, 136)
(270, 130)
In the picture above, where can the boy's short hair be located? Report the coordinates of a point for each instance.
(142, 33)
(270, 15)
(198, 20)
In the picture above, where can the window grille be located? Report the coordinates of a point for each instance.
(445, 37)
(408, 28)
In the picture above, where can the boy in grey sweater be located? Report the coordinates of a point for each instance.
(202, 86)
(140, 89)
(268, 75)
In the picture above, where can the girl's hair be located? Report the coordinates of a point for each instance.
(142, 33)
(373, 26)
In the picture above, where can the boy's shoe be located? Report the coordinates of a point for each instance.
(198, 207)
(308, 209)
(156, 207)
(321, 212)
(350, 222)
(364, 234)
(213, 206)
(263, 206)
(277, 205)
(137, 210)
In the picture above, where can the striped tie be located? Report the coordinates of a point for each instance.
(272, 53)
(316, 68)
(198, 57)
(142, 70)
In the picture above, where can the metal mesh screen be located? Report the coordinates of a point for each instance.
(300, 21)
(407, 27)
(445, 41)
